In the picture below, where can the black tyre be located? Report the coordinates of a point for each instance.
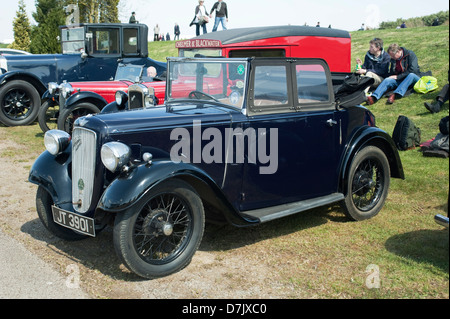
(44, 204)
(159, 235)
(48, 116)
(19, 103)
(368, 184)
(68, 116)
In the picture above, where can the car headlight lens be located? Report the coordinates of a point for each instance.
(56, 141)
(115, 155)
(53, 88)
(121, 98)
(66, 89)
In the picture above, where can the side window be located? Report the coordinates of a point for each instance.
(312, 84)
(104, 41)
(130, 41)
(271, 86)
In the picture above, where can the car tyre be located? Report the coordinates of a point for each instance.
(160, 234)
(48, 116)
(44, 204)
(68, 116)
(20, 102)
(367, 185)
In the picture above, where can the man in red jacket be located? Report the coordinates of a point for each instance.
(404, 72)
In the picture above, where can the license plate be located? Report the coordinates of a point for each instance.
(81, 224)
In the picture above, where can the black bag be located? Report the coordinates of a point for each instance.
(351, 91)
(353, 83)
(406, 134)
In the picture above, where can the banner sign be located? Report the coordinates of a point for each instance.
(198, 43)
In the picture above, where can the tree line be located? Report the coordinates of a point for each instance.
(49, 15)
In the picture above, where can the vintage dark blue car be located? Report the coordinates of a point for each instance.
(243, 140)
(90, 52)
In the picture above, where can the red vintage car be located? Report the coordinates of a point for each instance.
(332, 45)
(82, 98)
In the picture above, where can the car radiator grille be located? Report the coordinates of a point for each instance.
(83, 168)
(136, 100)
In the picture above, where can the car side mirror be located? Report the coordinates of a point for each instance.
(84, 55)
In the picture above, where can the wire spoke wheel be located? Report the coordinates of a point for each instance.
(368, 184)
(159, 235)
(162, 229)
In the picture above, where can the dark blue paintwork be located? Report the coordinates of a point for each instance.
(315, 151)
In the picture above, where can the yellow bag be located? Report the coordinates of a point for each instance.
(426, 84)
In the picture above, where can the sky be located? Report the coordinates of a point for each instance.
(340, 14)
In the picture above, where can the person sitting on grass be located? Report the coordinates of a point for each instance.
(440, 100)
(404, 72)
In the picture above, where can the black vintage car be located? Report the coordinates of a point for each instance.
(90, 52)
(243, 141)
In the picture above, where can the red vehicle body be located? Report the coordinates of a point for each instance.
(332, 45)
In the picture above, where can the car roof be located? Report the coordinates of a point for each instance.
(259, 33)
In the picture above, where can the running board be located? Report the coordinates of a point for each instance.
(275, 212)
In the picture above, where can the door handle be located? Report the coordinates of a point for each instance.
(331, 122)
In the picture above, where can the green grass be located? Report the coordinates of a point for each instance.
(319, 253)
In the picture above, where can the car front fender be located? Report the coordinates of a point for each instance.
(129, 189)
(87, 96)
(375, 137)
(52, 173)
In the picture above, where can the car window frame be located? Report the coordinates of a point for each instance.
(329, 104)
(253, 109)
(94, 28)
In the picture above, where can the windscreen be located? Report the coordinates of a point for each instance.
(222, 81)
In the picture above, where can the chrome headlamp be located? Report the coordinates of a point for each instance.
(66, 89)
(121, 98)
(56, 141)
(115, 155)
(53, 88)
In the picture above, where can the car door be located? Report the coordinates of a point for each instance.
(292, 125)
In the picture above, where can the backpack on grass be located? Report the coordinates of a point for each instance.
(406, 134)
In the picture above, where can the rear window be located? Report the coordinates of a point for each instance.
(258, 53)
(72, 40)
(312, 84)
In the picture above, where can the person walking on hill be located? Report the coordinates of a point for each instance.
(221, 15)
(200, 18)
(156, 33)
(404, 72)
(133, 18)
(176, 31)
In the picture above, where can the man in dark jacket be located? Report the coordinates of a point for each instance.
(221, 15)
(376, 62)
(404, 72)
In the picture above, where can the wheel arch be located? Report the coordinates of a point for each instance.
(125, 192)
(370, 136)
(24, 76)
(87, 96)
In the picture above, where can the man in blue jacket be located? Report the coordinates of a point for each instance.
(404, 72)
(376, 62)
